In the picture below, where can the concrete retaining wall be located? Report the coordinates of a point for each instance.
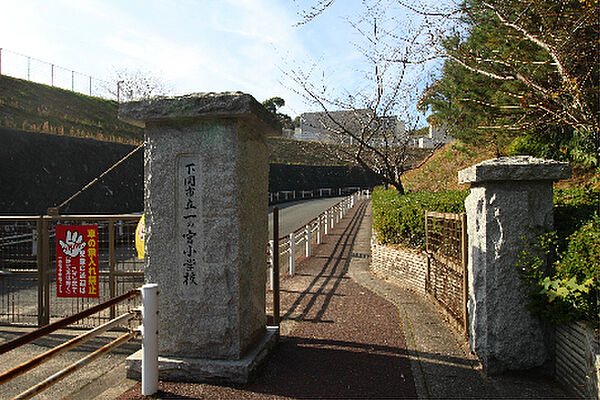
(39, 170)
(309, 177)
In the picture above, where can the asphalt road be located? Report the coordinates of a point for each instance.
(295, 214)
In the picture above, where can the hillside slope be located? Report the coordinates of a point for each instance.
(40, 108)
(440, 171)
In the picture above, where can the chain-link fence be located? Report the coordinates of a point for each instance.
(32, 69)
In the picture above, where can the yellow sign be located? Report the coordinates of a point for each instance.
(140, 232)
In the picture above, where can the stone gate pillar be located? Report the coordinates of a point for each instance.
(206, 184)
(510, 198)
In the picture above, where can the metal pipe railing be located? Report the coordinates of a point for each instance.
(34, 362)
(322, 225)
(29, 393)
(38, 360)
(45, 330)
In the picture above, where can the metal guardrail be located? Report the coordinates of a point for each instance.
(299, 243)
(291, 195)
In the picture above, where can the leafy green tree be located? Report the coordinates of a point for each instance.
(523, 73)
(275, 103)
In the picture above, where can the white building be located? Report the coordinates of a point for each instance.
(436, 136)
(329, 127)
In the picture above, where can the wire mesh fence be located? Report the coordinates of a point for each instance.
(32, 69)
(28, 293)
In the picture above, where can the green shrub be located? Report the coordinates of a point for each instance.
(401, 219)
(582, 257)
(573, 207)
(562, 268)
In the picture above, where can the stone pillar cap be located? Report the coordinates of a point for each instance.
(200, 105)
(519, 168)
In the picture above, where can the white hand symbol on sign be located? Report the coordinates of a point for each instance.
(73, 244)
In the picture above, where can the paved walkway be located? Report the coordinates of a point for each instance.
(348, 334)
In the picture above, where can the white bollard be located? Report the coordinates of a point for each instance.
(333, 217)
(307, 240)
(292, 251)
(273, 255)
(327, 222)
(149, 339)
(319, 222)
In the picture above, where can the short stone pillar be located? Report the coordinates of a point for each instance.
(511, 198)
(206, 176)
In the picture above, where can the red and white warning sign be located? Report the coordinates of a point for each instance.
(77, 260)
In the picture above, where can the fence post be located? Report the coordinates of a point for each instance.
(44, 276)
(40, 267)
(327, 222)
(292, 251)
(150, 339)
(307, 239)
(333, 217)
(426, 231)
(319, 222)
(276, 266)
(272, 251)
(464, 258)
(111, 265)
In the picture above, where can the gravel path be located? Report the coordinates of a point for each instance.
(339, 340)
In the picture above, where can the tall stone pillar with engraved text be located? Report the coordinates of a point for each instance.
(206, 177)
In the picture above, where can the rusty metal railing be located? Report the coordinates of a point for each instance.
(63, 323)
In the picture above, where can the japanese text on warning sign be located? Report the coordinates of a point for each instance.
(77, 260)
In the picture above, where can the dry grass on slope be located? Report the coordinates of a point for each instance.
(440, 171)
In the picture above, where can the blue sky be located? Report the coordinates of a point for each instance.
(194, 45)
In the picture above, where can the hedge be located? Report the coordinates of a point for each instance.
(401, 219)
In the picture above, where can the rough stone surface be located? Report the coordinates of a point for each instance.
(519, 168)
(201, 105)
(187, 369)
(501, 330)
(206, 228)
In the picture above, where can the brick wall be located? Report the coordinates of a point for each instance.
(403, 268)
